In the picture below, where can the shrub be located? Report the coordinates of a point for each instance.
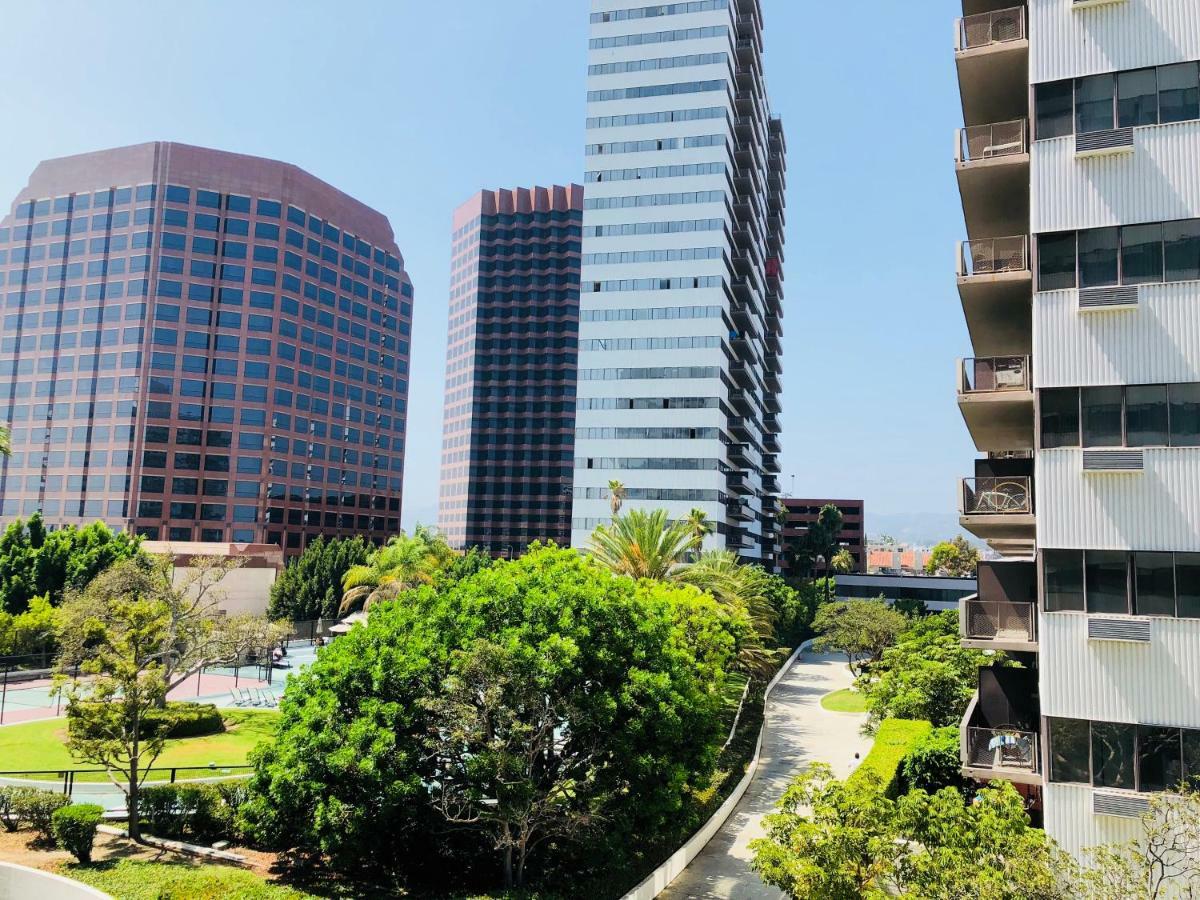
(75, 828)
(183, 720)
(933, 763)
(197, 812)
(37, 808)
(8, 815)
(892, 743)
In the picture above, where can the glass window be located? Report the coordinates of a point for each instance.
(1179, 92)
(1141, 254)
(1137, 98)
(1146, 415)
(1113, 755)
(1154, 583)
(1185, 414)
(1191, 756)
(1060, 417)
(1063, 580)
(1094, 103)
(1101, 408)
(1181, 250)
(1159, 757)
(1106, 573)
(1056, 261)
(1069, 750)
(1187, 586)
(1098, 252)
(1055, 107)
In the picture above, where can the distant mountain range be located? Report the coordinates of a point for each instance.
(924, 528)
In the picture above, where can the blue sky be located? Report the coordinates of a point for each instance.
(412, 106)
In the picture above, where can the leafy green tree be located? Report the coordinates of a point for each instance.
(530, 699)
(35, 562)
(464, 566)
(795, 604)
(928, 674)
(400, 565)
(934, 763)
(311, 586)
(29, 632)
(861, 629)
(956, 557)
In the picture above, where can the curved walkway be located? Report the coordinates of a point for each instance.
(798, 732)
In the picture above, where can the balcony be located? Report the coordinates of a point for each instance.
(992, 163)
(999, 736)
(999, 510)
(992, 56)
(995, 284)
(995, 397)
(1003, 615)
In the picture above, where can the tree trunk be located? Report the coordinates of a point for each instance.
(508, 866)
(135, 832)
(521, 867)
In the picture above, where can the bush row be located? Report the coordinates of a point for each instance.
(183, 720)
(34, 807)
(200, 813)
(893, 742)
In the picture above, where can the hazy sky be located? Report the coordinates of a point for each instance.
(412, 106)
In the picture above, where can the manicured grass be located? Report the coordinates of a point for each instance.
(846, 700)
(42, 745)
(128, 879)
(892, 742)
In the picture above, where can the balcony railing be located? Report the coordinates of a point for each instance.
(986, 29)
(1002, 749)
(990, 374)
(993, 256)
(1003, 496)
(999, 620)
(982, 142)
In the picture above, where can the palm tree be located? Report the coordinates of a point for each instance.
(641, 544)
(5, 442)
(699, 525)
(401, 564)
(842, 562)
(741, 588)
(616, 496)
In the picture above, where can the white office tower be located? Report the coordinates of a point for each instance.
(681, 300)
(1080, 282)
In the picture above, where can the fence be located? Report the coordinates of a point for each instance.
(95, 785)
(986, 29)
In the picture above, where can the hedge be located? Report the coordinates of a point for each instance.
(893, 741)
(187, 719)
(201, 813)
(36, 807)
(75, 828)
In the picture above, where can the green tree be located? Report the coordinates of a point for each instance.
(528, 699)
(819, 544)
(311, 586)
(843, 561)
(928, 674)
(641, 544)
(616, 496)
(400, 565)
(29, 632)
(956, 557)
(934, 763)
(795, 605)
(861, 629)
(700, 526)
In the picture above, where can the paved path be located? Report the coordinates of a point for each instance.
(798, 732)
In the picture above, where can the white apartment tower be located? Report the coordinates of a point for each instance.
(681, 301)
(1080, 281)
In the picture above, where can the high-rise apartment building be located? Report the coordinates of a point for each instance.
(679, 355)
(1080, 281)
(509, 421)
(201, 346)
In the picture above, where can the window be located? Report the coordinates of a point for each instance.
(1159, 758)
(1179, 92)
(1181, 250)
(1137, 98)
(1069, 750)
(1101, 415)
(1094, 103)
(1062, 580)
(1059, 417)
(1187, 586)
(1146, 415)
(1185, 414)
(1056, 261)
(1055, 107)
(1098, 257)
(1154, 584)
(1113, 746)
(1141, 254)
(1106, 581)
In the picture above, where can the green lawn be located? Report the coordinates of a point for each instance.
(128, 879)
(846, 700)
(42, 745)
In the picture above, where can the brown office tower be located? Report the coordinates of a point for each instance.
(201, 346)
(508, 436)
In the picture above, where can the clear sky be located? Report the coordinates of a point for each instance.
(412, 106)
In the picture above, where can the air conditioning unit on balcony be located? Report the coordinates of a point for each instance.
(1120, 805)
(1104, 143)
(1130, 631)
(1121, 460)
(1105, 298)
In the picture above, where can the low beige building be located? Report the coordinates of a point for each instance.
(245, 590)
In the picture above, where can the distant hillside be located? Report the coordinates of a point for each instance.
(925, 528)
